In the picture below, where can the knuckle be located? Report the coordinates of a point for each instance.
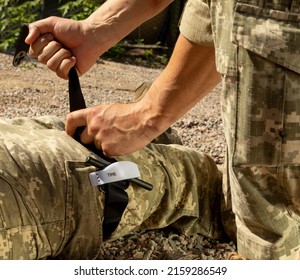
(44, 40)
(66, 53)
(106, 150)
(53, 18)
(93, 129)
(51, 65)
(64, 68)
(31, 52)
(42, 58)
(55, 46)
(93, 112)
(69, 118)
(62, 74)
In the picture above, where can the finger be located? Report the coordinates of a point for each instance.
(98, 145)
(74, 120)
(87, 138)
(49, 51)
(64, 68)
(56, 59)
(37, 47)
(39, 28)
(34, 34)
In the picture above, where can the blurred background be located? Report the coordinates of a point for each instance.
(161, 31)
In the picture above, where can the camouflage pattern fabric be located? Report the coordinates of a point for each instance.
(48, 208)
(257, 50)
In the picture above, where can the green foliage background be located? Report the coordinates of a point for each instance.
(79, 9)
(14, 13)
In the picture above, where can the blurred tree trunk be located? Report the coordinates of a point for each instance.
(51, 7)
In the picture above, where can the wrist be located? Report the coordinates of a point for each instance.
(99, 35)
(154, 117)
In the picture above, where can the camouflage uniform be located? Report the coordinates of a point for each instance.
(257, 49)
(48, 208)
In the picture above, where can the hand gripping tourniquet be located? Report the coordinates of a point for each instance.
(116, 198)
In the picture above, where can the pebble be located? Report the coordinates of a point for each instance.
(33, 90)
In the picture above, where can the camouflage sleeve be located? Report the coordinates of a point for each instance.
(195, 23)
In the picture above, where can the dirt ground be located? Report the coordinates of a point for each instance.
(33, 90)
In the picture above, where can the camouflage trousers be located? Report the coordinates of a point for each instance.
(261, 110)
(49, 209)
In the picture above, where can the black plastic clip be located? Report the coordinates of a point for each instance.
(21, 48)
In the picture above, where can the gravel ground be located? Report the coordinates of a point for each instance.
(33, 90)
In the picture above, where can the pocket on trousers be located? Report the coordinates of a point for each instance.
(22, 227)
(84, 208)
(270, 33)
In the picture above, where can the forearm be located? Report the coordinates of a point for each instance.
(189, 76)
(119, 129)
(117, 18)
(62, 43)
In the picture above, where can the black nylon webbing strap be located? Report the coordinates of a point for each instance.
(76, 99)
(116, 198)
(116, 201)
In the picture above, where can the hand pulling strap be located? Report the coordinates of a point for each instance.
(76, 100)
(116, 198)
(77, 103)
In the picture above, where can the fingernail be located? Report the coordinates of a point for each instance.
(50, 36)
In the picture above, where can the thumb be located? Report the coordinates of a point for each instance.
(38, 28)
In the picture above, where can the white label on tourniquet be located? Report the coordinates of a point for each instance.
(117, 171)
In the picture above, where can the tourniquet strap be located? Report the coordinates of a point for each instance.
(116, 198)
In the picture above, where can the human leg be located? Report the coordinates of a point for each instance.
(261, 121)
(56, 212)
(186, 196)
(48, 207)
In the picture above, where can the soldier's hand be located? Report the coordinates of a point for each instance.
(62, 43)
(117, 129)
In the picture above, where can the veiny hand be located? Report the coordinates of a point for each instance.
(61, 43)
(116, 129)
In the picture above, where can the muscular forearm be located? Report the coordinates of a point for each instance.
(119, 129)
(115, 19)
(62, 43)
(189, 76)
